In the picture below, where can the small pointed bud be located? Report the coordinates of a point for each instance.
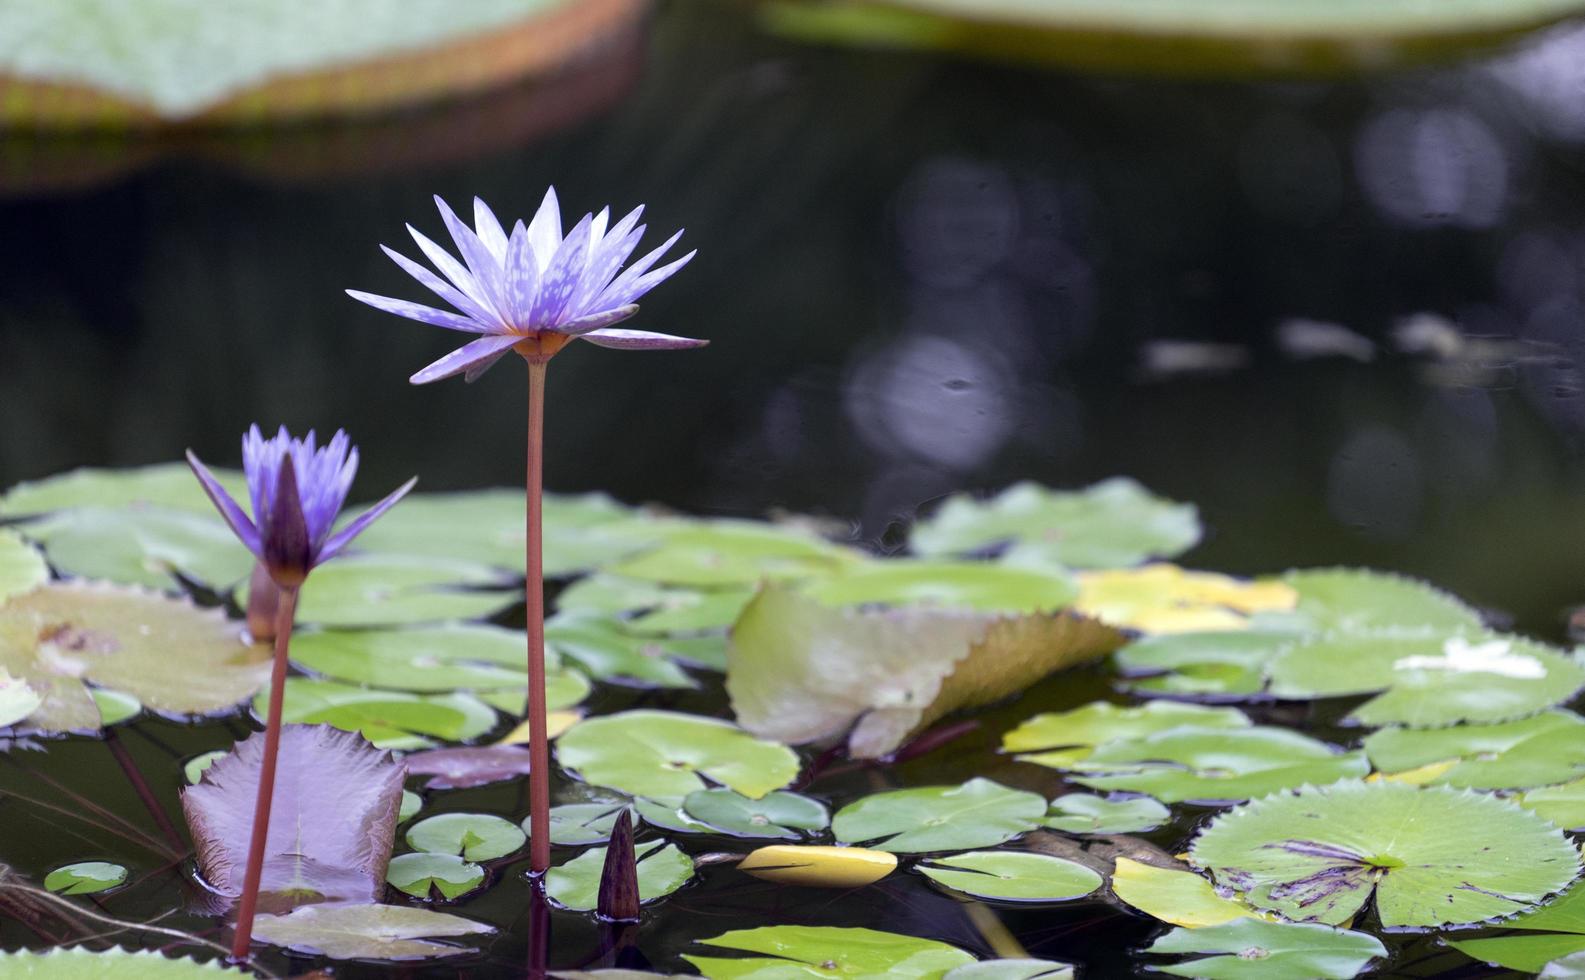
(287, 549)
(618, 900)
(264, 599)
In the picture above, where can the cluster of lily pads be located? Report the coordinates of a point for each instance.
(122, 593)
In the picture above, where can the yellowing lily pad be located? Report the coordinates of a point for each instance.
(17, 699)
(1162, 598)
(22, 567)
(1181, 898)
(819, 866)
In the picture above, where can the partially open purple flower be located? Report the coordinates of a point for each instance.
(534, 290)
(296, 491)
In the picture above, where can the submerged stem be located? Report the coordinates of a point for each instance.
(261, 808)
(534, 595)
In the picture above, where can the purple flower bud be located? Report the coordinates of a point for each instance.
(618, 899)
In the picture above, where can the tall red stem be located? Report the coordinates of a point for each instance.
(534, 595)
(261, 807)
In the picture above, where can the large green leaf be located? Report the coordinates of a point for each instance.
(1173, 895)
(605, 650)
(576, 884)
(174, 658)
(1540, 750)
(785, 815)
(1427, 677)
(389, 719)
(1562, 805)
(1111, 524)
(474, 836)
(715, 554)
(78, 963)
(167, 485)
(965, 585)
(398, 590)
(656, 609)
(146, 546)
(978, 813)
(1350, 599)
(1228, 664)
(1013, 876)
(824, 951)
(1085, 813)
(22, 568)
(1534, 939)
(366, 932)
(1434, 856)
(1060, 738)
(1250, 948)
(665, 756)
(426, 875)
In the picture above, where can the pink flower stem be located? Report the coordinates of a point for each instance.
(261, 809)
(534, 595)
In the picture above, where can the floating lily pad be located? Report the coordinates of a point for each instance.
(1216, 664)
(58, 636)
(576, 884)
(670, 816)
(474, 836)
(366, 932)
(1268, 951)
(412, 803)
(399, 590)
(581, 823)
(17, 699)
(423, 874)
(1425, 678)
(1561, 805)
(1433, 856)
(389, 719)
(1181, 898)
(469, 765)
(1110, 524)
(193, 769)
(1162, 598)
(800, 670)
(606, 651)
(1060, 738)
(777, 814)
(819, 866)
(1021, 969)
(656, 609)
(978, 813)
(436, 658)
(1215, 764)
(1537, 751)
(167, 485)
(826, 951)
(1352, 599)
(1013, 876)
(977, 586)
(664, 755)
(85, 878)
(22, 567)
(115, 706)
(726, 553)
(1532, 940)
(142, 546)
(715, 610)
(1085, 813)
(76, 963)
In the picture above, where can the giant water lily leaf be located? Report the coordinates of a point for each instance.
(17, 699)
(605, 650)
(1162, 598)
(1427, 678)
(713, 554)
(582, 531)
(1059, 738)
(165, 485)
(435, 658)
(1213, 665)
(576, 884)
(427, 875)
(85, 878)
(148, 546)
(665, 755)
(777, 814)
(1533, 939)
(964, 585)
(978, 813)
(366, 932)
(1013, 876)
(1085, 813)
(1215, 764)
(474, 836)
(799, 670)
(1111, 524)
(472, 765)
(389, 719)
(1540, 750)
(819, 866)
(22, 567)
(796, 951)
(1351, 599)
(398, 590)
(1181, 898)
(1432, 856)
(173, 657)
(76, 963)
(319, 771)
(1268, 951)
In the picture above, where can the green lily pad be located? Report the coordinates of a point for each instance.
(779, 814)
(606, 651)
(167, 485)
(722, 553)
(193, 769)
(400, 590)
(1353, 599)
(147, 546)
(74, 964)
(115, 706)
(1213, 664)
(436, 658)
(1534, 939)
(1060, 738)
(422, 874)
(1021, 969)
(1562, 805)
(797, 951)
(59, 636)
(1085, 813)
(1013, 876)
(573, 824)
(670, 816)
(22, 567)
(474, 836)
(85, 878)
(17, 699)
(366, 932)
(1215, 764)
(1268, 951)
(1111, 524)
(655, 609)
(978, 813)
(1424, 678)
(977, 586)
(1537, 751)
(576, 884)
(1173, 895)
(411, 804)
(389, 719)
(1433, 856)
(665, 755)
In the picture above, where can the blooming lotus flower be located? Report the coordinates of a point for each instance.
(535, 290)
(296, 490)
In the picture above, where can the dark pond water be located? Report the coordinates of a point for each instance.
(919, 276)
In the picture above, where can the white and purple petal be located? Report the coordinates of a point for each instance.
(465, 357)
(544, 232)
(468, 305)
(561, 278)
(489, 229)
(420, 312)
(451, 268)
(484, 266)
(640, 340)
(595, 321)
(522, 276)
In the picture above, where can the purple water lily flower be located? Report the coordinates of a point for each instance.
(534, 290)
(296, 490)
